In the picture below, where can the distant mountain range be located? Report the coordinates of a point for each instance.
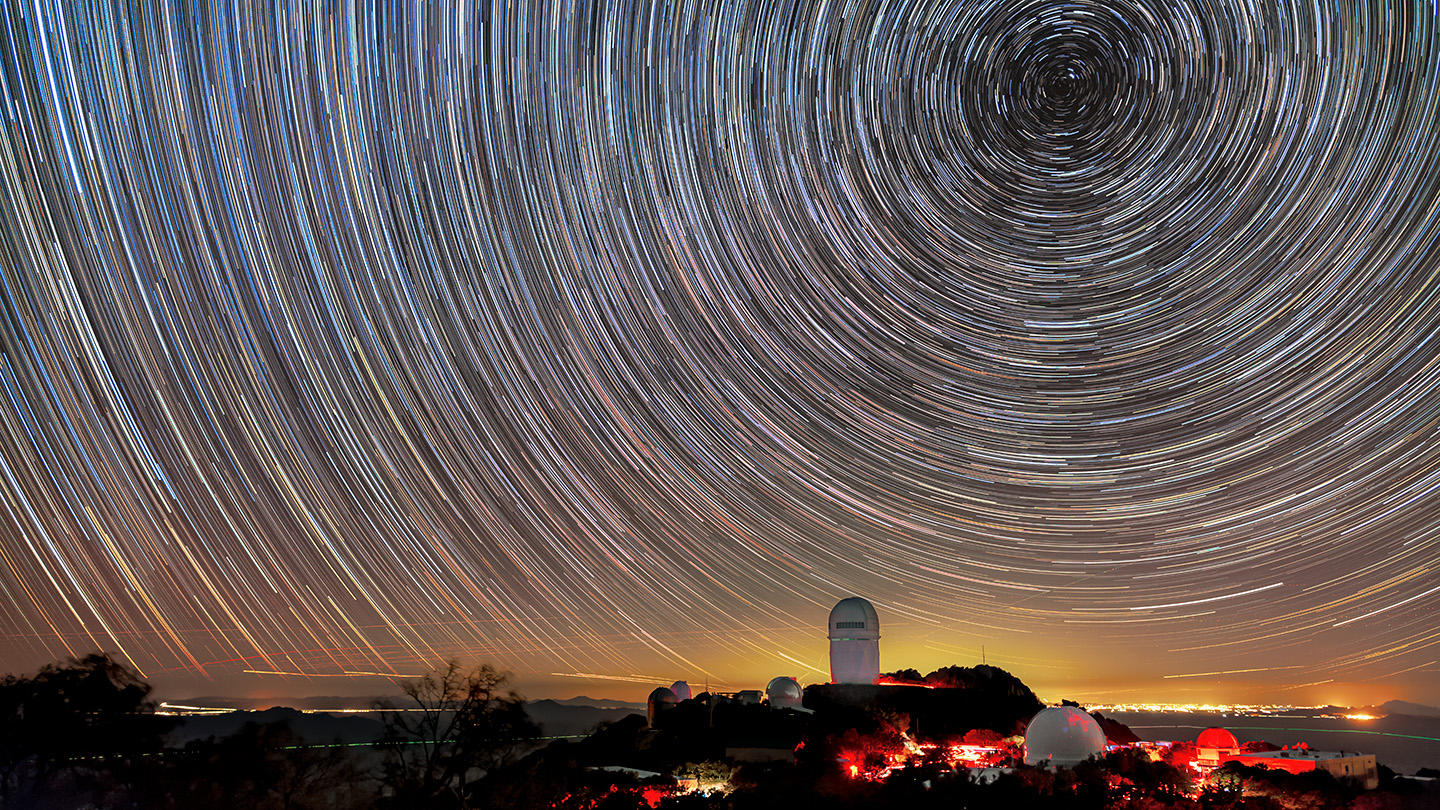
(557, 718)
(1402, 707)
(334, 702)
(317, 728)
(600, 703)
(572, 718)
(318, 703)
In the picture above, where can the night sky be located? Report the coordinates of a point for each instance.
(624, 338)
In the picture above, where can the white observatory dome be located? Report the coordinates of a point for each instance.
(854, 632)
(784, 693)
(1063, 736)
(854, 619)
(681, 690)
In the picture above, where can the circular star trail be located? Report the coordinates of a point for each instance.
(618, 338)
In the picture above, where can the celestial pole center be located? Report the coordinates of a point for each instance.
(617, 338)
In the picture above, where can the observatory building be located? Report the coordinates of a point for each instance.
(854, 642)
(784, 693)
(1214, 746)
(660, 701)
(681, 690)
(1340, 764)
(1063, 736)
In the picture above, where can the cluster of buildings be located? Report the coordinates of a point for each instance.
(1215, 746)
(854, 633)
(1065, 736)
(780, 693)
(1061, 736)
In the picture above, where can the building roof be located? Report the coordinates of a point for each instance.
(854, 618)
(1304, 753)
(1216, 737)
(660, 700)
(784, 688)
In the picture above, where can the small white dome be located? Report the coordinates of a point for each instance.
(854, 619)
(681, 690)
(784, 693)
(1063, 736)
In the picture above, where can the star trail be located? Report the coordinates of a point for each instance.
(620, 339)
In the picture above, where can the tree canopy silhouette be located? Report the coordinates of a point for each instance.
(78, 726)
(458, 725)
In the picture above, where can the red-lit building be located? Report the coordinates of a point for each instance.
(1215, 746)
(1341, 764)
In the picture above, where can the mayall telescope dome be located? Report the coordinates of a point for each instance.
(854, 633)
(1063, 736)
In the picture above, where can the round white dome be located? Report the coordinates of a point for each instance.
(681, 690)
(854, 619)
(1063, 736)
(784, 693)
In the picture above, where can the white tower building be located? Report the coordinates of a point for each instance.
(854, 642)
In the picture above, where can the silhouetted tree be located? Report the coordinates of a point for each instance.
(458, 722)
(82, 727)
(267, 766)
(1180, 754)
(1136, 774)
(1250, 786)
